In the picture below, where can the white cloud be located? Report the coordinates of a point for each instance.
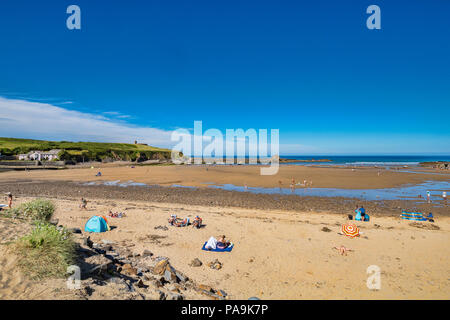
(25, 119)
(36, 120)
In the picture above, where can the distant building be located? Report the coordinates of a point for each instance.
(40, 155)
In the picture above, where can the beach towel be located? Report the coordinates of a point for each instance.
(416, 216)
(227, 249)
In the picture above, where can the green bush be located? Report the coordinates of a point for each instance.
(39, 209)
(45, 252)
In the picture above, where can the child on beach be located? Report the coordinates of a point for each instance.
(197, 222)
(10, 199)
(83, 204)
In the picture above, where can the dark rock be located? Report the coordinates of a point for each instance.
(222, 293)
(176, 296)
(74, 230)
(141, 284)
(170, 274)
(216, 264)
(160, 267)
(162, 295)
(325, 229)
(88, 242)
(129, 270)
(181, 277)
(147, 253)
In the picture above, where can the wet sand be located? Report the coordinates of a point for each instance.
(201, 176)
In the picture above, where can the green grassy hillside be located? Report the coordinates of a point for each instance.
(85, 151)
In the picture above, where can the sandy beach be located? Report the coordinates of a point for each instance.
(277, 255)
(283, 243)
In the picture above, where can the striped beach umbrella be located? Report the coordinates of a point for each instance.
(350, 230)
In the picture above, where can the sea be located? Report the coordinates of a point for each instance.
(379, 160)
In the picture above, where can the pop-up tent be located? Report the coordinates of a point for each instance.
(96, 224)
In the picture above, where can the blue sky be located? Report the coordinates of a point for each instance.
(312, 70)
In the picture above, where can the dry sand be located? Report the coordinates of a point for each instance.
(277, 255)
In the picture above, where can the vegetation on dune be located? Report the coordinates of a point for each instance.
(38, 210)
(45, 252)
(85, 151)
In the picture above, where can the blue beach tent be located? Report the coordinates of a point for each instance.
(96, 224)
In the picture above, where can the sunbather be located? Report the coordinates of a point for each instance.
(343, 250)
(197, 222)
(223, 243)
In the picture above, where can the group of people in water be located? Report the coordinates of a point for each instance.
(292, 185)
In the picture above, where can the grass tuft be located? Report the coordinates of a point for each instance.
(38, 210)
(45, 252)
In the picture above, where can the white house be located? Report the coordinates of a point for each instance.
(40, 155)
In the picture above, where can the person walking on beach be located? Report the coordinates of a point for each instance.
(428, 196)
(444, 197)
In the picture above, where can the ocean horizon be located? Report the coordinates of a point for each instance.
(368, 160)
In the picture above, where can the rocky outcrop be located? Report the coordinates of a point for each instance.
(108, 267)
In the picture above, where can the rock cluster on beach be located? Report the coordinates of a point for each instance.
(136, 275)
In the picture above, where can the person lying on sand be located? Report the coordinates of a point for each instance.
(343, 250)
(222, 242)
(116, 214)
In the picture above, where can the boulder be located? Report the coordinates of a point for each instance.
(196, 263)
(129, 270)
(147, 253)
(170, 274)
(74, 230)
(160, 267)
(216, 264)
